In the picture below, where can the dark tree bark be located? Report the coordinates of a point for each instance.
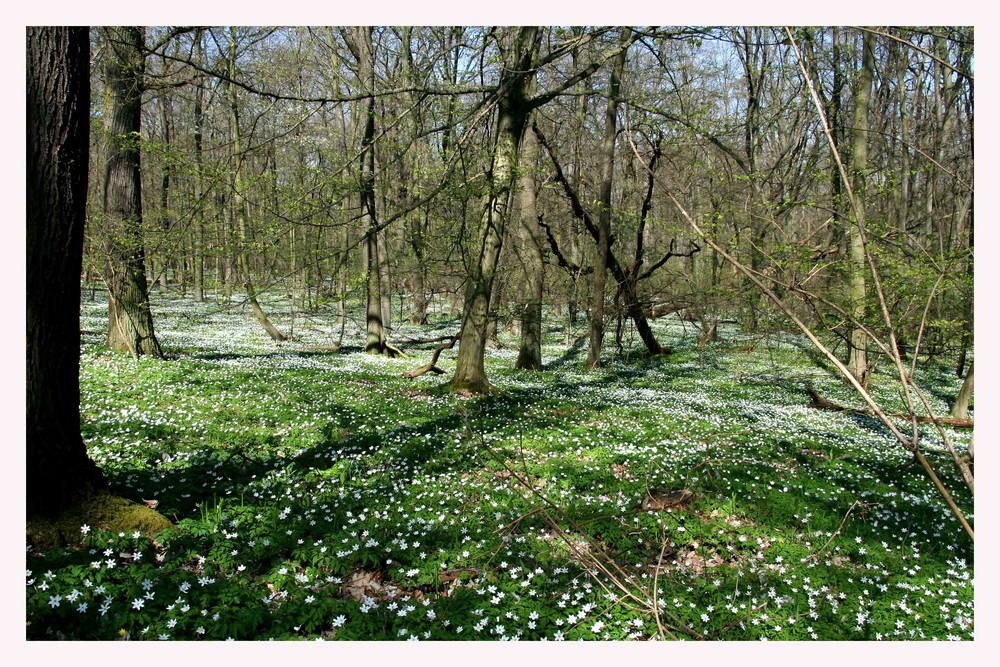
(130, 325)
(59, 472)
(415, 236)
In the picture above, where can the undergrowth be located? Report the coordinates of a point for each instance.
(317, 494)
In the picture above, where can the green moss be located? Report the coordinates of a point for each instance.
(103, 511)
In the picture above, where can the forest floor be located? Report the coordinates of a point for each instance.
(316, 493)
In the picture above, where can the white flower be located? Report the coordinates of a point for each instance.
(339, 621)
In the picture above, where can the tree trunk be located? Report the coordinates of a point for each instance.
(529, 356)
(512, 113)
(415, 230)
(198, 256)
(419, 284)
(359, 40)
(165, 253)
(633, 305)
(961, 408)
(604, 216)
(58, 470)
(241, 205)
(385, 286)
(858, 357)
(130, 321)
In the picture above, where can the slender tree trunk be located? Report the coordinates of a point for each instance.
(512, 113)
(165, 194)
(385, 285)
(241, 206)
(130, 321)
(635, 311)
(198, 255)
(604, 216)
(532, 241)
(961, 408)
(419, 285)
(58, 471)
(359, 40)
(416, 230)
(858, 357)
(903, 190)
(341, 273)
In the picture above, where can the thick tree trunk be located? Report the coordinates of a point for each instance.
(529, 356)
(58, 470)
(470, 372)
(376, 341)
(130, 321)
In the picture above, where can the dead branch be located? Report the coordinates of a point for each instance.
(424, 341)
(821, 403)
(432, 366)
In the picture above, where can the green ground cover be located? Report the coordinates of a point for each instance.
(317, 494)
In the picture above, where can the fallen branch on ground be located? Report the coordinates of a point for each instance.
(821, 403)
(432, 366)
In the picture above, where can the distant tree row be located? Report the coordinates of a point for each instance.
(507, 169)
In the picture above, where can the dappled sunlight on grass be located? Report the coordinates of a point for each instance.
(318, 494)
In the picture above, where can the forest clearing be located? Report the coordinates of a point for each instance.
(500, 333)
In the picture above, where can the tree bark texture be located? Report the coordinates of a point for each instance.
(359, 41)
(58, 470)
(512, 114)
(857, 361)
(130, 321)
(529, 355)
(604, 215)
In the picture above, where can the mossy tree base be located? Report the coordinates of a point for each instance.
(102, 511)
